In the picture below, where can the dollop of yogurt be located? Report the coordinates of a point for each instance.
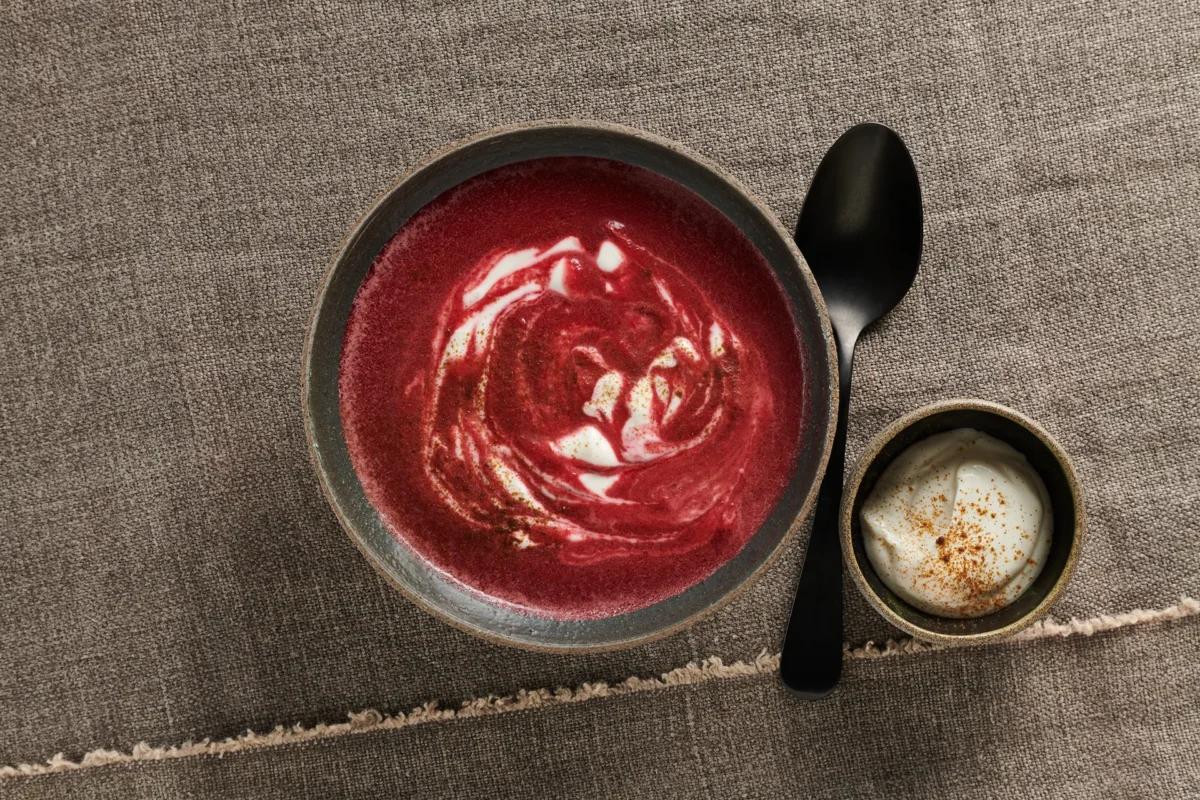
(958, 525)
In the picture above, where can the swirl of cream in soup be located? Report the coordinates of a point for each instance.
(958, 525)
(590, 398)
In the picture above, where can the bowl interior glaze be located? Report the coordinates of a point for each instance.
(432, 589)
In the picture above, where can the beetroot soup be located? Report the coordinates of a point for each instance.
(572, 385)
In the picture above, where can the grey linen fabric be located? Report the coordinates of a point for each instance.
(175, 178)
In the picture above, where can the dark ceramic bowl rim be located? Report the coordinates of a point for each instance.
(872, 453)
(347, 501)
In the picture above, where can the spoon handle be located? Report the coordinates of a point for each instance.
(811, 661)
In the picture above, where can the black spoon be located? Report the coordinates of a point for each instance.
(860, 231)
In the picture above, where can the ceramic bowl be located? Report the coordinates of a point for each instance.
(432, 589)
(1044, 455)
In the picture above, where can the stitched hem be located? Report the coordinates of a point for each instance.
(710, 669)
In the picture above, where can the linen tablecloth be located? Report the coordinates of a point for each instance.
(175, 179)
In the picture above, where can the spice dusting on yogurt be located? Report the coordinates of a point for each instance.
(958, 525)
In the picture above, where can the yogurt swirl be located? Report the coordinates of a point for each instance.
(586, 397)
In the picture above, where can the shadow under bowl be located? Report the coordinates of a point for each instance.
(1043, 454)
(432, 589)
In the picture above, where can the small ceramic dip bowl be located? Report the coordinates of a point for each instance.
(1047, 459)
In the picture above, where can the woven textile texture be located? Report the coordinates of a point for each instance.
(175, 178)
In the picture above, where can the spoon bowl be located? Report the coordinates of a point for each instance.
(861, 226)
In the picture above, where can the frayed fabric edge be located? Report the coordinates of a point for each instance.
(710, 669)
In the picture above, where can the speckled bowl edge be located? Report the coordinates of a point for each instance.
(347, 524)
(871, 453)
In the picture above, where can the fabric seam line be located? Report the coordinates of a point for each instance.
(692, 673)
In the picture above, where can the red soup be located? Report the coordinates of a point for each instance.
(572, 385)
